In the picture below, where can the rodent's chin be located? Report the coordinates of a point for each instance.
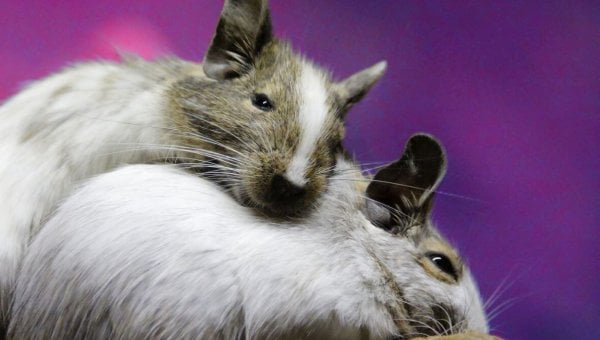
(284, 210)
(275, 209)
(275, 204)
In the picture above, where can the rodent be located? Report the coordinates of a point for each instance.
(150, 251)
(254, 116)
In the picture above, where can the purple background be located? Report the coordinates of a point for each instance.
(511, 88)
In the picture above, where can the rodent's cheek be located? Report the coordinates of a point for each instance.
(316, 185)
(341, 132)
(324, 161)
(317, 174)
(337, 136)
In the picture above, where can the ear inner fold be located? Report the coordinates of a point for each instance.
(354, 88)
(244, 28)
(408, 183)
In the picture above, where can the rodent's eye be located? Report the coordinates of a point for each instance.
(443, 263)
(262, 102)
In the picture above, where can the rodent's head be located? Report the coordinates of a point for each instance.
(270, 121)
(429, 289)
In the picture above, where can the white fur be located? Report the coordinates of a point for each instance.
(47, 145)
(150, 249)
(313, 115)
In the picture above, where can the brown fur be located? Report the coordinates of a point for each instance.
(437, 245)
(211, 122)
(223, 112)
(403, 192)
(249, 147)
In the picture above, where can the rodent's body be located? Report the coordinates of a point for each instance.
(255, 116)
(149, 251)
(63, 129)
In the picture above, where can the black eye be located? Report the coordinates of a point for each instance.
(262, 102)
(443, 263)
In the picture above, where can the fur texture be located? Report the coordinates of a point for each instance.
(149, 251)
(92, 117)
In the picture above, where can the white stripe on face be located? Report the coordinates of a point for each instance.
(312, 116)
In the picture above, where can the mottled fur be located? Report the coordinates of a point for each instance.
(151, 252)
(93, 117)
(266, 140)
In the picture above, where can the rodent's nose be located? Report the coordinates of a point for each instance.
(284, 191)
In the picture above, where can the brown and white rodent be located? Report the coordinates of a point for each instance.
(255, 116)
(150, 251)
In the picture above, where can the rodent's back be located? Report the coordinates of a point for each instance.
(149, 250)
(59, 130)
(210, 264)
(75, 124)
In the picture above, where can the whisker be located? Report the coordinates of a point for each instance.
(124, 122)
(211, 141)
(226, 131)
(422, 323)
(504, 306)
(378, 166)
(195, 151)
(411, 187)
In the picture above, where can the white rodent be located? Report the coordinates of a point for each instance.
(255, 116)
(150, 251)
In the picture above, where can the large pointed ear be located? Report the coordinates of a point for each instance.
(243, 30)
(354, 88)
(406, 187)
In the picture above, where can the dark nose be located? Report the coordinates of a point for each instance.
(285, 192)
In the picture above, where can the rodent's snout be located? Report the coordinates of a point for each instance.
(268, 183)
(283, 191)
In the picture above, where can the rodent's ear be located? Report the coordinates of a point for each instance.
(408, 184)
(354, 88)
(243, 30)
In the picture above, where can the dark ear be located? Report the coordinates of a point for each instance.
(407, 185)
(354, 88)
(243, 30)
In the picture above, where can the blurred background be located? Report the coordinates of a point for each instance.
(511, 88)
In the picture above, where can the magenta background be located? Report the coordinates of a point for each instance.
(511, 88)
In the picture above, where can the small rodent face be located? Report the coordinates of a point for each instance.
(434, 292)
(272, 133)
(265, 121)
(442, 295)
